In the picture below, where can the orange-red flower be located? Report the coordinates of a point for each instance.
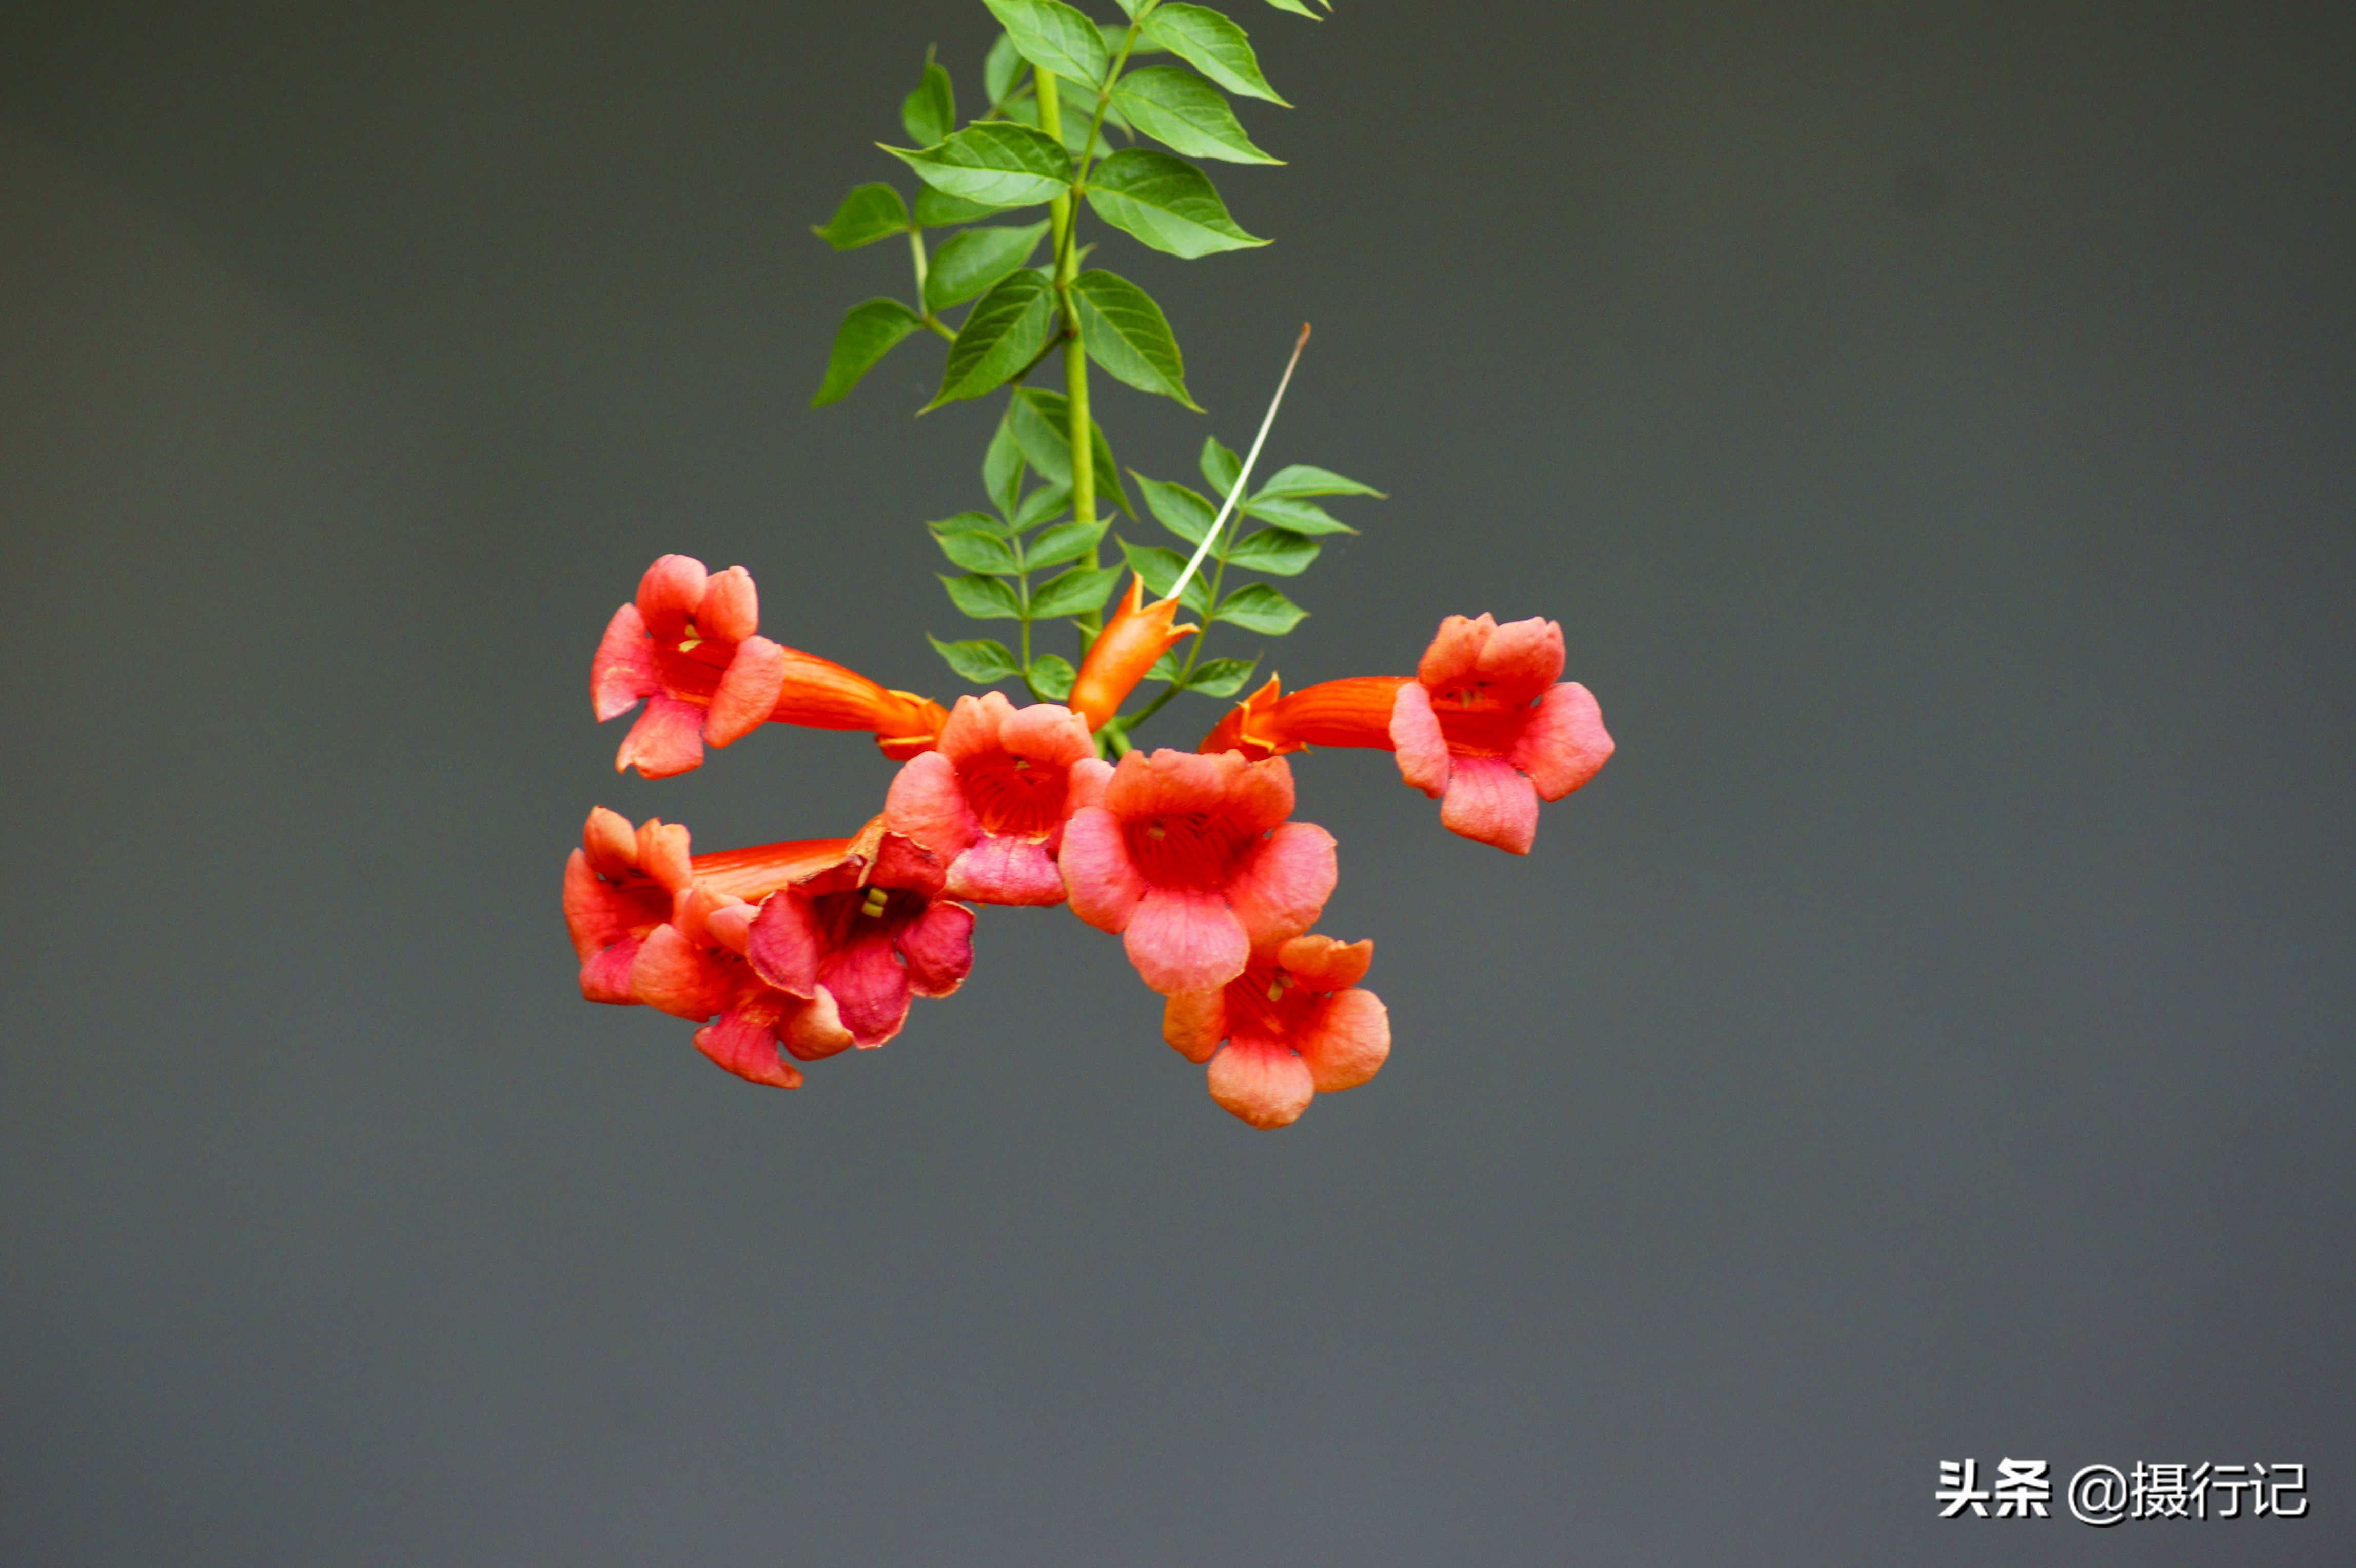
(1295, 1024)
(688, 646)
(863, 937)
(1189, 858)
(653, 925)
(1482, 722)
(1138, 634)
(993, 799)
(1485, 725)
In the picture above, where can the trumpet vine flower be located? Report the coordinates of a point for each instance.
(688, 646)
(991, 800)
(1138, 634)
(1295, 1024)
(1191, 860)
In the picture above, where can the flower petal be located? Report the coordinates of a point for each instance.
(731, 608)
(1415, 736)
(663, 854)
(939, 946)
(670, 592)
(595, 917)
(623, 668)
(1263, 1083)
(744, 1041)
(926, 803)
(672, 975)
(605, 977)
(1521, 659)
(1173, 782)
(611, 842)
(1194, 1021)
(1006, 871)
(785, 944)
(813, 1030)
(870, 987)
(1455, 650)
(1046, 732)
(1565, 743)
(1186, 938)
(1324, 964)
(1104, 882)
(747, 691)
(1490, 802)
(1261, 796)
(972, 730)
(1085, 784)
(1348, 1040)
(667, 740)
(1281, 889)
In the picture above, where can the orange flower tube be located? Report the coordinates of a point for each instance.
(1138, 634)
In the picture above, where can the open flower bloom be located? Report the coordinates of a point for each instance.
(1485, 725)
(991, 800)
(687, 645)
(862, 937)
(1295, 1022)
(1189, 859)
(652, 924)
(1138, 634)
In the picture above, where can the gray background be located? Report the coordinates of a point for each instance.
(1928, 1038)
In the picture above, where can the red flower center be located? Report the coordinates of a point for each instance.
(1476, 722)
(1268, 1004)
(865, 914)
(1185, 849)
(1015, 797)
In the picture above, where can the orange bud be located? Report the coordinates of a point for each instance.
(1136, 635)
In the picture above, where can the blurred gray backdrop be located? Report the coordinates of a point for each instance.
(1928, 1039)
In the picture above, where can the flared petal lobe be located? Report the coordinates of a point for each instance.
(866, 937)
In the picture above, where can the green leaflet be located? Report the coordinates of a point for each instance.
(1169, 204)
(1006, 329)
(1041, 420)
(1160, 569)
(1300, 479)
(1177, 509)
(1220, 467)
(1064, 542)
(868, 332)
(1000, 69)
(929, 113)
(939, 209)
(1299, 516)
(970, 262)
(1046, 502)
(1255, 607)
(984, 598)
(1054, 36)
(1212, 677)
(1126, 333)
(976, 550)
(1299, 8)
(870, 212)
(1051, 676)
(1002, 470)
(1279, 551)
(1077, 592)
(980, 660)
(1186, 114)
(1212, 45)
(993, 161)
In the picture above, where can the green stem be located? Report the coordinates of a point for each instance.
(1066, 214)
(916, 248)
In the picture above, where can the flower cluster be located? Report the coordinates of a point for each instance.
(789, 952)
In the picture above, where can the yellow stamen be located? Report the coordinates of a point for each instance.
(873, 907)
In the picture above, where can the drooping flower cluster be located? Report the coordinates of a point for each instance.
(790, 952)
